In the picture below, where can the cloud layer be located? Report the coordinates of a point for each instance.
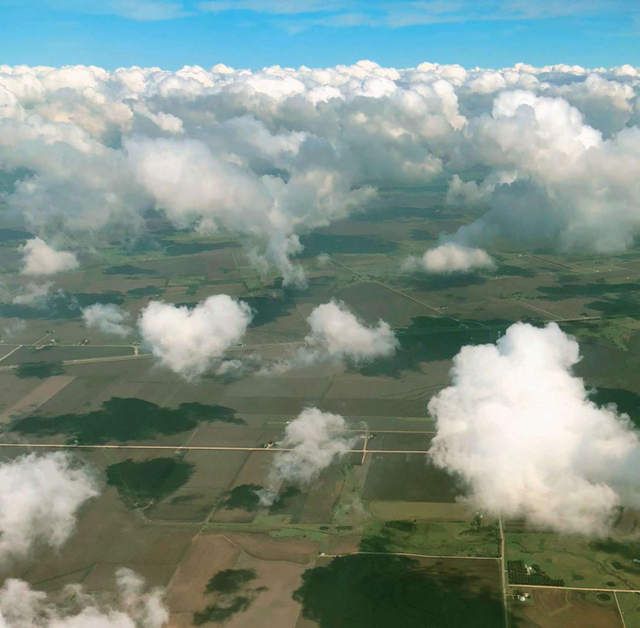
(522, 432)
(189, 341)
(39, 500)
(270, 155)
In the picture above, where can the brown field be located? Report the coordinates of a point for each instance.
(269, 592)
(185, 536)
(36, 398)
(206, 556)
(431, 511)
(566, 609)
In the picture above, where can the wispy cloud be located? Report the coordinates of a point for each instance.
(277, 7)
(422, 12)
(345, 13)
(139, 10)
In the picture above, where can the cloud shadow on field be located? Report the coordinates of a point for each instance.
(39, 370)
(433, 339)
(174, 249)
(140, 483)
(381, 591)
(126, 419)
(244, 497)
(234, 596)
(129, 270)
(61, 305)
(625, 400)
(444, 282)
(268, 309)
(318, 243)
(595, 289)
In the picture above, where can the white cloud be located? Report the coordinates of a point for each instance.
(109, 319)
(520, 429)
(34, 295)
(189, 341)
(450, 258)
(23, 607)
(14, 328)
(338, 333)
(40, 259)
(148, 10)
(281, 7)
(39, 499)
(315, 439)
(273, 154)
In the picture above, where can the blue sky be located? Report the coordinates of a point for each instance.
(255, 33)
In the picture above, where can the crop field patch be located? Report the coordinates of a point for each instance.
(409, 478)
(559, 609)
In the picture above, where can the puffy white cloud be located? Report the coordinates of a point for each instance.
(109, 319)
(41, 259)
(314, 440)
(39, 499)
(520, 429)
(563, 184)
(451, 258)
(189, 341)
(23, 607)
(338, 333)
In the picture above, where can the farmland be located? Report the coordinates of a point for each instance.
(382, 537)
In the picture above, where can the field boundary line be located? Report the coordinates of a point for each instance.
(624, 623)
(503, 574)
(549, 586)
(357, 553)
(264, 560)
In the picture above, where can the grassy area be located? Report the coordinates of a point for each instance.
(579, 561)
(431, 538)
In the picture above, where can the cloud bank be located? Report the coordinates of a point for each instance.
(522, 432)
(39, 499)
(273, 154)
(108, 319)
(40, 259)
(190, 341)
(23, 607)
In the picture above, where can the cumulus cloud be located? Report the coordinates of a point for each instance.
(109, 319)
(189, 341)
(23, 607)
(338, 333)
(314, 440)
(450, 258)
(40, 259)
(39, 499)
(520, 429)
